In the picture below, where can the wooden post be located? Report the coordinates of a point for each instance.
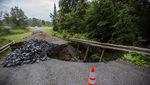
(101, 56)
(86, 53)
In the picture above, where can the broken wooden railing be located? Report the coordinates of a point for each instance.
(113, 46)
(5, 47)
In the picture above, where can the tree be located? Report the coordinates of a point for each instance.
(36, 22)
(103, 20)
(54, 18)
(112, 22)
(71, 15)
(67, 6)
(43, 22)
(144, 13)
(1, 21)
(1, 17)
(18, 17)
(7, 20)
(4, 25)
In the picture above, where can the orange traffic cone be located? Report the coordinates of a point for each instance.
(92, 76)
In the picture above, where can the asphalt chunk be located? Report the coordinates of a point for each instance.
(32, 51)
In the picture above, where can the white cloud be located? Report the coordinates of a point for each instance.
(38, 8)
(32, 8)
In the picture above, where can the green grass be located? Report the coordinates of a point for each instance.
(64, 34)
(16, 35)
(137, 59)
(49, 30)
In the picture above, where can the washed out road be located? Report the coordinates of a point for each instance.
(57, 72)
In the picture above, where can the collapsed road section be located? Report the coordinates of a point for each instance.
(57, 72)
(38, 47)
(32, 51)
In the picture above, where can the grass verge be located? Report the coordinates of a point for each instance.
(64, 34)
(137, 59)
(16, 35)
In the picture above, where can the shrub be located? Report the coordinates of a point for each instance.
(4, 30)
(103, 20)
(136, 58)
(114, 22)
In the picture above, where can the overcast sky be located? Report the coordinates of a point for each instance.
(32, 8)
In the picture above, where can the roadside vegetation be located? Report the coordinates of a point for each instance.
(16, 35)
(107, 21)
(137, 59)
(64, 34)
(15, 26)
(94, 55)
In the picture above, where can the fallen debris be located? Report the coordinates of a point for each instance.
(32, 51)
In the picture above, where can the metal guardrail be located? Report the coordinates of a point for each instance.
(113, 46)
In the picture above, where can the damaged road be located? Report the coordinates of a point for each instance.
(58, 72)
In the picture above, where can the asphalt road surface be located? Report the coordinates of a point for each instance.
(56, 72)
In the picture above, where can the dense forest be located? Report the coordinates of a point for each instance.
(111, 21)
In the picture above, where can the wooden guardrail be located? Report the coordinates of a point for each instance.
(113, 46)
(5, 47)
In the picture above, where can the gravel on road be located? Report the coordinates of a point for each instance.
(32, 51)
